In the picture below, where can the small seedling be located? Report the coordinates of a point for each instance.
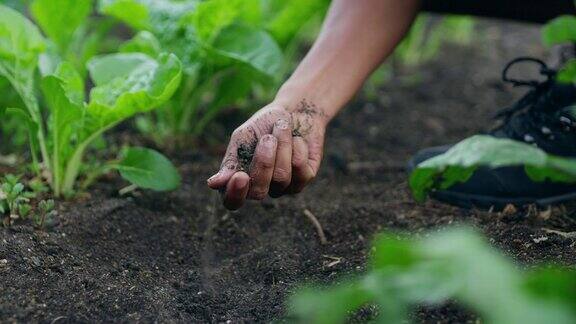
(14, 199)
(45, 212)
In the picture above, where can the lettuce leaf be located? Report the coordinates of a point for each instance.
(460, 162)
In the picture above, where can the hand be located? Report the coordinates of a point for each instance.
(277, 151)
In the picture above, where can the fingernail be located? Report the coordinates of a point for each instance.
(282, 124)
(212, 178)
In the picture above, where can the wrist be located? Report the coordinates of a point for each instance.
(298, 99)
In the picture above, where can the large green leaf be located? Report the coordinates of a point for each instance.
(20, 45)
(560, 31)
(460, 162)
(104, 69)
(59, 19)
(250, 46)
(64, 97)
(121, 95)
(148, 169)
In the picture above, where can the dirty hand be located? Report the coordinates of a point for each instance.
(276, 152)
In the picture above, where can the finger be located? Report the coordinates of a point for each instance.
(262, 167)
(228, 168)
(230, 164)
(283, 167)
(302, 173)
(236, 190)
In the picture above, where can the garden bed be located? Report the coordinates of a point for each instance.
(180, 257)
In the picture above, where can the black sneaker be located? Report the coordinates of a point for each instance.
(541, 118)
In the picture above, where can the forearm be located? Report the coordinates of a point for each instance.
(356, 37)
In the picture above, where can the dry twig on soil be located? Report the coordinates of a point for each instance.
(568, 235)
(317, 225)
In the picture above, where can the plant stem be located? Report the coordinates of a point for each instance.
(127, 190)
(73, 165)
(189, 105)
(33, 108)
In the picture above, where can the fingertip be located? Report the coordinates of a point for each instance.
(240, 180)
(220, 179)
(236, 191)
(213, 180)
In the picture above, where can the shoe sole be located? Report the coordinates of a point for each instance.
(470, 201)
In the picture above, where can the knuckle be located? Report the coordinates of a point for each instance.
(281, 175)
(268, 138)
(265, 164)
(285, 140)
(298, 163)
(258, 194)
(237, 132)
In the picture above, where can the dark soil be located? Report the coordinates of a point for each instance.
(180, 257)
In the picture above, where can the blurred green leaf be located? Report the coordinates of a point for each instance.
(132, 12)
(327, 306)
(568, 72)
(211, 16)
(144, 42)
(252, 47)
(59, 19)
(20, 45)
(148, 169)
(451, 265)
(553, 284)
(288, 17)
(560, 31)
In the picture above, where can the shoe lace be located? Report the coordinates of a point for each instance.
(531, 111)
(538, 87)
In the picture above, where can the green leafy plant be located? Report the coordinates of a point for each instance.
(451, 265)
(74, 39)
(14, 199)
(46, 209)
(230, 49)
(224, 53)
(63, 124)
